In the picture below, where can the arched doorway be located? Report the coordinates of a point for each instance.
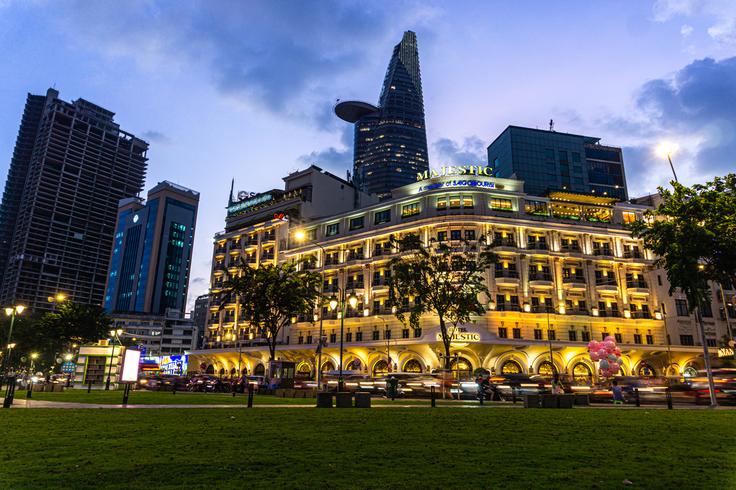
(380, 367)
(210, 369)
(354, 365)
(412, 366)
(233, 372)
(304, 371)
(645, 370)
(690, 372)
(582, 374)
(260, 370)
(462, 368)
(672, 370)
(222, 371)
(546, 369)
(511, 367)
(327, 366)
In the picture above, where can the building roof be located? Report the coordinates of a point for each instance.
(352, 110)
(588, 139)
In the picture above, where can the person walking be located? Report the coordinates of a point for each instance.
(618, 393)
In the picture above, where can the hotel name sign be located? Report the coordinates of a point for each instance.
(461, 337)
(449, 170)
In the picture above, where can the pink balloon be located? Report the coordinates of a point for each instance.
(594, 356)
(602, 353)
(593, 345)
(610, 338)
(613, 367)
(617, 351)
(609, 345)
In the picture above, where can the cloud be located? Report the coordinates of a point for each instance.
(288, 57)
(686, 30)
(153, 136)
(693, 108)
(449, 152)
(722, 15)
(199, 280)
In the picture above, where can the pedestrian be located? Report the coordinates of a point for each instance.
(557, 387)
(618, 393)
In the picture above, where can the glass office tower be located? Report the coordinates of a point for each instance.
(551, 161)
(151, 258)
(391, 139)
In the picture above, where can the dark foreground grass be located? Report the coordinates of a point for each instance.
(378, 448)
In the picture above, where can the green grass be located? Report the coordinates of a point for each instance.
(167, 398)
(401, 448)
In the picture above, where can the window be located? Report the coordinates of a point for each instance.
(358, 336)
(536, 207)
(711, 342)
(585, 336)
(681, 307)
(309, 339)
(659, 280)
(500, 204)
(517, 333)
(575, 157)
(454, 201)
(349, 337)
(619, 339)
(650, 339)
(551, 334)
(637, 338)
(311, 234)
(357, 223)
(332, 229)
(455, 235)
(467, 201)
(333, 338)
(563, 156)
(572, 335)
(706, 310)
(629, 217)
(441, 236)
(405, 333)
(376, 335)
(382, 216)
(387, 334)
(441, 203)
(686, 340)
(417, 333)
(537, 334)
(502, 333)
(470, 235)
(409, 210)
(300, 340)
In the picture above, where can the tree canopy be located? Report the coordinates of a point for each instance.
(447, 281)
(693, 234)
(270, 295)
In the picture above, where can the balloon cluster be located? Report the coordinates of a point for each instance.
(609, 355)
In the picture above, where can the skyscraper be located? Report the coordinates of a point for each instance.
(71, 165)
(552, 161)
(152, 251)
(391, 139)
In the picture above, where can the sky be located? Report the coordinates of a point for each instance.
(245, 90)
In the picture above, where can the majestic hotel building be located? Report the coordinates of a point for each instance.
(568, 271)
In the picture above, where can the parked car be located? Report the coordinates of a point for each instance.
(207, 384)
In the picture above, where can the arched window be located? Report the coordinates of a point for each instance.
(673, 370)
(689, 372)
(354, 365)
(462, 368)
(511, 367)
(222, 371)
(645, 370)
(412, 366)
(546, 368)
(582, 374)
(380, 367)
(327, 366)
(210, 369)
(233, 372)
(260, 370)
(304, 370)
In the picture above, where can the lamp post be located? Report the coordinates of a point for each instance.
(10, 311)
(342, 302)
(666, 149)
(114, 334)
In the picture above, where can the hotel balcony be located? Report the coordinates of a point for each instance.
(576, 311)
(537, 246)
(353, 256)
(574, 282)
(641, 315)
(603, 252)
(219, 267)
(380, 282)
(571, 249)
(504, 242)
(508, 307)
(507, 276)
(639, 286)
(633, 254)
(606, 284)
(540, 280)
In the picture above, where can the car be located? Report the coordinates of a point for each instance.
(207, 384)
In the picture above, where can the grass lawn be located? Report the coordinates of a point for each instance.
(407, 448)
(167, 398)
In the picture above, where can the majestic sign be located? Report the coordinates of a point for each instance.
(445, 171)
(461, 337)
(725, 352)
(484, 184)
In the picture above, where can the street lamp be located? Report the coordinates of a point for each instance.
(11, 311)
(352, 300)
(114, 334)
(666, 149)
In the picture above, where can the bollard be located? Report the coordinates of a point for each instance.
(126, 392)
(250, 395)
(513, 394)
(669, 398)
(29, 394)
(636, 397)
(233, 393)
(89, 386)
(434, 399)
(173, 389)
(9, 392)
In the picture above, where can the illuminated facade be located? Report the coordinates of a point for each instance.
(569, 272)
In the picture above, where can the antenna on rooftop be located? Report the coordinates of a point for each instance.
(551, 124)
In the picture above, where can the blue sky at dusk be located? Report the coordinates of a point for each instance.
(245, 89)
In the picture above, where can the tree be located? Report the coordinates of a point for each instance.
(55, 332)
(446, 282)
(693, 234)
(270, 295)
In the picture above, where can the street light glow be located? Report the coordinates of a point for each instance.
(666, 149)
(353, 301)
(333, 303)
(299, 235)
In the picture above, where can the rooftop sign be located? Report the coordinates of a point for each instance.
(448, 170)
(249, 203)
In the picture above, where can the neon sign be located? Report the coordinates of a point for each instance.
(447, 170)
(460, 183)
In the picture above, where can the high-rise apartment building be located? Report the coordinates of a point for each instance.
(551, 161)
(391, 139)
(152, 251)
(71, 165)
